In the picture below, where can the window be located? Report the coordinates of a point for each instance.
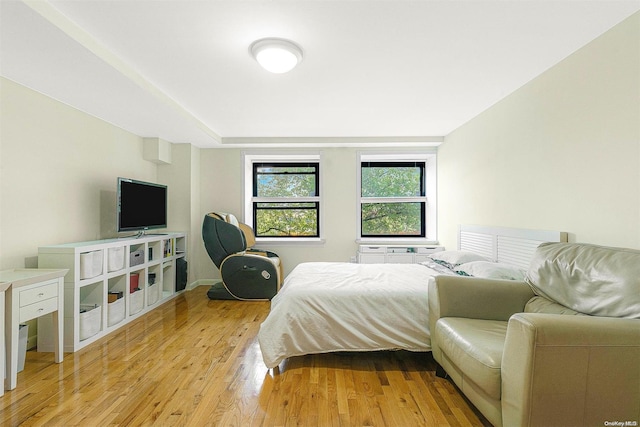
(284, 197)
(394, 197)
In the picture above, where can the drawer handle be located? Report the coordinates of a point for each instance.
(40, 310)
(41, 294)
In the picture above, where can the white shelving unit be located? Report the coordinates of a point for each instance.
(142, 269)
(395, 254)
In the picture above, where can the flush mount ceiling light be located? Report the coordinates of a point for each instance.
(276, 55)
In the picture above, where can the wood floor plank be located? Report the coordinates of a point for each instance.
(196, 362)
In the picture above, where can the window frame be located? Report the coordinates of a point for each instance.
(429, 199)
(249, 214)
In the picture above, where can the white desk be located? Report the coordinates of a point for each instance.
(30, 293)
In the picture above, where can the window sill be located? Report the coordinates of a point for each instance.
(399, 241)
(293, 241)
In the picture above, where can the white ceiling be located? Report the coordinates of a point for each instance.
(373, 71)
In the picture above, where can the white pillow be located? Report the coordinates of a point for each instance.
(452, 259)
(490, 270)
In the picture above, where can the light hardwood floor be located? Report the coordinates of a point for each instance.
(195, 362)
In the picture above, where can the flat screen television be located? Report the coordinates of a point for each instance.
(141, 205)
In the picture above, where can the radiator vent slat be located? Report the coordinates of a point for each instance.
(481, 244)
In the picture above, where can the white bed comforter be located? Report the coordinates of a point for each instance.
(327, 307)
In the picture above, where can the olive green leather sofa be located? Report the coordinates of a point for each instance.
(561, 348)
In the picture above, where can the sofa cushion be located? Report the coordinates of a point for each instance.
(590, 279)
(475, 346)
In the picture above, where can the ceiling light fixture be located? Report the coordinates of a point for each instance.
(276, 55)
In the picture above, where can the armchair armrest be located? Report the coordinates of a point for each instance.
(249, 276)
(570, 370)
(269, 254)
(472, 297)
(475, 298)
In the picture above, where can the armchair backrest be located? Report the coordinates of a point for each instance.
(222, 236)
(590, 279)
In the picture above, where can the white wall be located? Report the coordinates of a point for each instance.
(221, 172)
(183, 181)
(58, 170)
(561, 153)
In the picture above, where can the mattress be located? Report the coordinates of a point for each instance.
(329, 306)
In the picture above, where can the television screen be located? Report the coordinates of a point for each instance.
(141, 205)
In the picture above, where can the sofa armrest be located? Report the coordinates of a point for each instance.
(570, 370)
(471, 297)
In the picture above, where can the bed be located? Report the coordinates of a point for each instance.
(332, 306)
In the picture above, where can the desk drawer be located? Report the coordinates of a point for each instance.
(39, 293)
(38, 309)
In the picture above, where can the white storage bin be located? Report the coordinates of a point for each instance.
(97, 262)
(115, 312)
(136, 257)
(115, 259)
(90, 264)
(90, 321)
(136, 301)
(86, 265)
(154, 294)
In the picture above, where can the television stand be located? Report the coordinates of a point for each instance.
(140, 234)
(110, 283)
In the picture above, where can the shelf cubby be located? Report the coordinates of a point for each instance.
(116, 306)
(181, 246)
(90, 310)
(168, 278)
(154, 275)
(154, 251)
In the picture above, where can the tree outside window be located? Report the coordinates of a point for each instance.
(286, 200)
(392, 199)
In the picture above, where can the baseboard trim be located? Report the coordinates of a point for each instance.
(201, 282)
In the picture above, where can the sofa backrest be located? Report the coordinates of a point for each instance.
(590, 279)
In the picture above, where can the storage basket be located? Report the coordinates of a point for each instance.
(115, 259)
(137, 301)
(136, 257)
(115, 312)
(154, 294)
(90, 264)
(90, 320)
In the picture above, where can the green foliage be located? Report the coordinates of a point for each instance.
(286, 181)
(286, 219)
(391, 217)
(385, 181)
